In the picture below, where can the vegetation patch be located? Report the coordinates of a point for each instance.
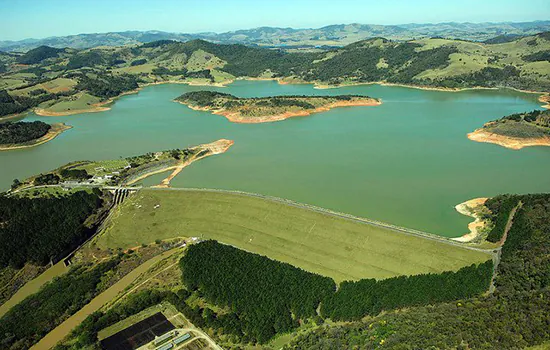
(20, 132)
(262, 109)
(38, 230)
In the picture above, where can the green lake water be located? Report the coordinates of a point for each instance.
(407, 162)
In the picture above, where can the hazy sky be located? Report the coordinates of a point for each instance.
(42, 18)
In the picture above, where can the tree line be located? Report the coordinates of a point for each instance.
(500, 208)
(354, 300)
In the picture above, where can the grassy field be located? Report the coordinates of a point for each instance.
(331, 246)
(80, 101)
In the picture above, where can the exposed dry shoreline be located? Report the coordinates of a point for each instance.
(516, 143)
(54, 131)
(469, 208)
(216, 147)
(546, 100)
(236, 117)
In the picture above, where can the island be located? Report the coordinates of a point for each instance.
(268, 109)
(516, 131)
(28, 134)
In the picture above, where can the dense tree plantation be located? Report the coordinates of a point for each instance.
(30, 320)
(500, 207)
(37, 230)
(21, 132)
(267, 296)
(515, 316)
(354, 300)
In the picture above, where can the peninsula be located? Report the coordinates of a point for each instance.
(516, 131)
(268, 109)
(28, 134)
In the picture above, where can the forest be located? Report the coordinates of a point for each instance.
(14, 105)
(515, 316)
(56, 225)
(20, 132)
(38, 54)
(107, 86)
(267, 296)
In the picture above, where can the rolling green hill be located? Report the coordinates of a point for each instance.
(106, 72)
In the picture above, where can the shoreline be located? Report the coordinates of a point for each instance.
(515, 143)
(217, 147)
(546, 100)
(236, 117)
(99, 107)
(56, 130)
(468, 208)
(95, 108)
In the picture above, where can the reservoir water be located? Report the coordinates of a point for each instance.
(407, 162)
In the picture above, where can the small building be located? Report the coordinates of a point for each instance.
(166, 347)
(181, 338)
(163, 338)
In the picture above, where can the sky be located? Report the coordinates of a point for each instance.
(22, 19)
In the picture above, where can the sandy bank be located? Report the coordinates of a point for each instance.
(546, 100)
(216, 147)
(54, 131)
(470, 208)
(236, 117)
(482, 135)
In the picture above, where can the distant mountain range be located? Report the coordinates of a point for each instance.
(333, 35)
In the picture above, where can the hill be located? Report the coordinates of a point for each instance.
(332, 35)
(74, 81)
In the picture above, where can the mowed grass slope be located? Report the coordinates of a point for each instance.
(320, 243)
